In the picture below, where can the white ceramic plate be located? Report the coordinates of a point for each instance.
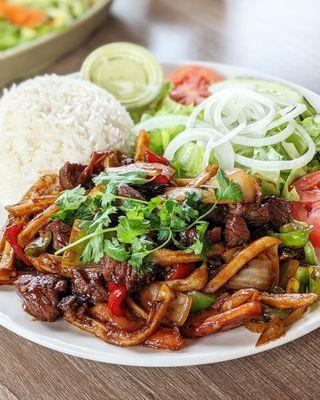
(219, 347)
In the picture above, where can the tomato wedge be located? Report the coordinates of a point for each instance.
(191, 83)
(308, 208)
(310, 181)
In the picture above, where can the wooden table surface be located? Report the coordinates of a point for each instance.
(276, 36)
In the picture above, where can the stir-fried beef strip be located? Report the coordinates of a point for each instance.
(289, 253)
(279, 210)
(214, 235)
(236, 232)
(74, 174)
(41, 294)
(218, 215)
(214, 265)
(123, 273)
(71, 302)
(150, 190)
(70, 175)
(90, 285)
(189, 236)
(60, 234)
(125, 190)
(256, 215)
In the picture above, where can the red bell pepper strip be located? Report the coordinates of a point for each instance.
(181, 271)
(161, 180)
(154, 158)
(117, 294)
(12, 233)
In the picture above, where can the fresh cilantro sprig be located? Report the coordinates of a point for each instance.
(127, 229)
(133, 177)
(228, 190)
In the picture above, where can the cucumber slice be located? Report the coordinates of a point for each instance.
(271, 88)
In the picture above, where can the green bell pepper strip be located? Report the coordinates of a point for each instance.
(201, 301)
(310, 255)
(270, 313)
(302, 276)
(296, 239)
(314, 280)
(293, 226)
(39, 245)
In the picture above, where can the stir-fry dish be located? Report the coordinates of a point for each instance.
(122, 249)
(25, 20)
(198, 214)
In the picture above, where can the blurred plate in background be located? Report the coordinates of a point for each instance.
(32, 57)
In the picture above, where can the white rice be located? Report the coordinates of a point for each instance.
(52, 119)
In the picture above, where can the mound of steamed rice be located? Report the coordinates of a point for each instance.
(52, 119)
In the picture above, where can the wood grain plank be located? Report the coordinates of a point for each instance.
(290, 372)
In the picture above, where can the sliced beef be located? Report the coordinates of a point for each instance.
(151, 190)
(123, 159)
(214, 235)
(125, 190)
(101, 160)
(279, 210)
(288, 253)
(90, 285)
(71, 303)
(70, 175)
(41, 294)
(218, 215)
(60, 234)
(188, 237)
(256, 214)
(123, 273)
(214, 266)
(236, 232)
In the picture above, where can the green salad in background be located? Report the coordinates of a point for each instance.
(25, 20)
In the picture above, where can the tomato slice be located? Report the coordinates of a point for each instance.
(308, 208)
(192, 73)
(191, 83)
(299, 211)
(309, 196)
(314, 219)
(310, 181)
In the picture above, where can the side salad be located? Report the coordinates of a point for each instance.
(25, 20)
(197, 118)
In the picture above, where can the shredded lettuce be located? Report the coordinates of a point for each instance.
(188, 160)
(312, 126)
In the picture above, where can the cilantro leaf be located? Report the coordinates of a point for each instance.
(199, 246)
(93, 252)
(140, 251)
(133, 177)
(228, 190)
(101, 217)
(193, 198)
(72, 198)
(69, 202)
(141, 262)
(115, 250)
(128, 229)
